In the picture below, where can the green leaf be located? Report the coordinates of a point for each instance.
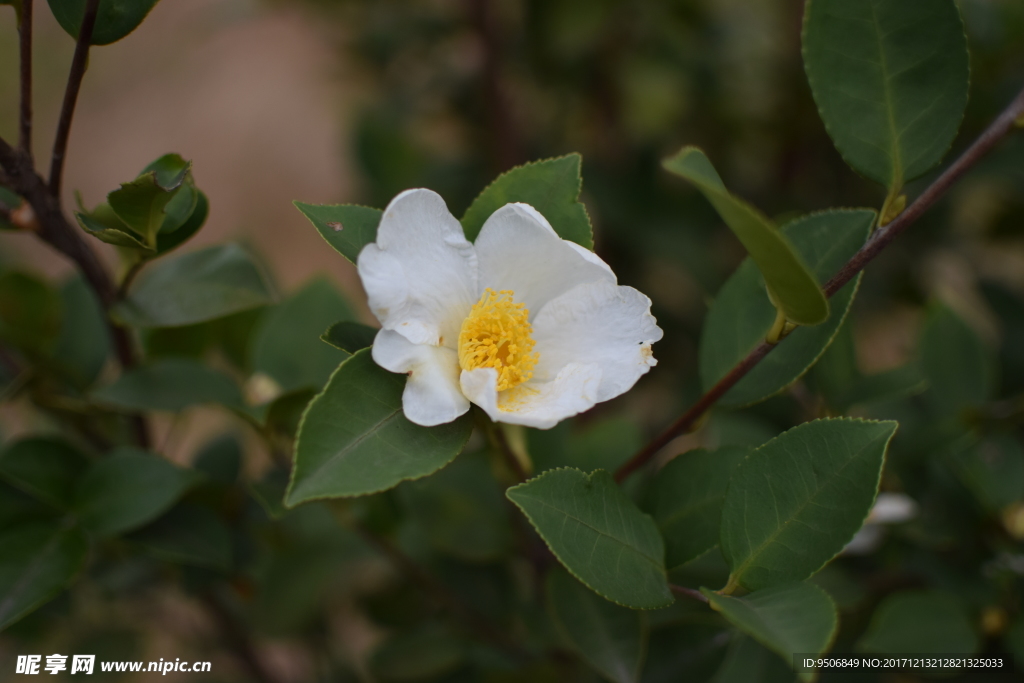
(346, 227)
(83, 343)
(170, 384)
(39, 560)
(128, 489)
(287, 345)
(169, 240)
(142, 204)
(890, 80)
(551, 186)
(349, 336)
(747, 661)
(794, 287)
(957, 364)
(30, 311)
(269, 493)
(285, 412)
(686, 501)
(461, 510)
(194, 287)
(993, 470)
(796, 501)
(742, 313)
(600, 536)
(188, 534)
(789, 618)
(109, 229)
(354, 438)
(602, 445)
(45, 468)
(220, 460)
(114, 19)
(925, 622)
(610, 639)
(422, 655)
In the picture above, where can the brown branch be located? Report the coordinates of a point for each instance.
(78, 65)
(688, 593)
(880, 239)
(477, 623)
(25, 35)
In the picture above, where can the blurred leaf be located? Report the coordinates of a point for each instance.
(170, 384)
(114, 19)
(610, 639)
(686, 501)
(30, 311)
(269, 492)
(742, 314)
(788, 619)
(39, 560)
(603, 444)
(287, 345)
(45, 468)
(349, 336)
(142, 203)
(461, 510)
(793, 287)
(194, 287)
(1009, 309)
(796, 501)
(354, 438)
(83, 343)
(220, 459)
(128, 489)
(925, 622)
(285, 412)
(17, 507)
(749, 662)
(188, 534)
(600, 536)
(166, 240)
(994, 471)
(346, 227)
(890, 80)
(551, 186)
(422, 655)
(957, 364)
(1014, 640)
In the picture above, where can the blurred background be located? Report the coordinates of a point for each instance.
(352, 101)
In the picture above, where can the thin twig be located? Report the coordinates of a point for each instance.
(67, 111)
(688, 592)
(475, 621)
(881, 238)
(25, 34)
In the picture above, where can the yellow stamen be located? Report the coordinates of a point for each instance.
(497, 334)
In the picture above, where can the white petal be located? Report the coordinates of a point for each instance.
(535, 404)
(432, 395)
(420, 275)
(517, 249)
(600, 323)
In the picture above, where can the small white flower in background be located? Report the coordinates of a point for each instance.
(530, 327)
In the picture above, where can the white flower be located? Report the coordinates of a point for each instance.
(530, 327)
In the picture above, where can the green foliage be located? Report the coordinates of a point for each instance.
(610, 638)
(355, 440)
(128, 489)
(928, 622)
(796, 501)
(742, 314)
(349, 336)
(956, 363)
(551, 186)
(600, 536)
(189, 534)
(170, 384)
(286, 346)
(83, 342)
(792, 286)
(30, 311)
(47, 469)
(421, 655)
(787, 618)
(686, 501)
(749, 662)
(195, 287)
(115, 19)
(346, 227)
(890, 80)
(39, 560)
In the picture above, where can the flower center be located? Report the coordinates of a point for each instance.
(496, 334)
